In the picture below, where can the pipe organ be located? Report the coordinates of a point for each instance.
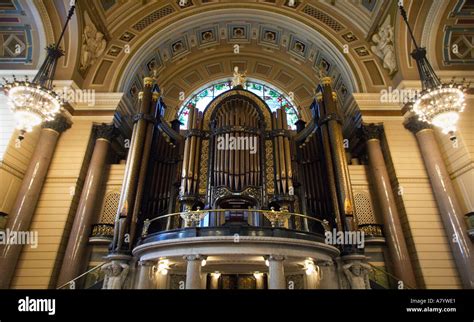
(236, 140)
(238, 154)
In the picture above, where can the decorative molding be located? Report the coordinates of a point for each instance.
(11, 169)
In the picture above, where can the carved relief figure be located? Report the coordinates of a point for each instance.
(358, 275)
(93, 44)
(384, 46)
(115, 275)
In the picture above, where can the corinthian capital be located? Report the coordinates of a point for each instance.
(105, 131)
(59, 124)
(415, 125)
(372, 131)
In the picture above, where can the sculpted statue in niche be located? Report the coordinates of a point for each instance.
(384, 46)
(239, 78)
(115, 275)
(358, 275)
(93, 44)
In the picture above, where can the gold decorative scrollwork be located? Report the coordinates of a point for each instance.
(203, 169)
(269, 167)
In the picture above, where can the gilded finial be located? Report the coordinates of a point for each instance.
(148, 81)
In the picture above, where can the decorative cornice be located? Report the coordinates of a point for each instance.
(59, 124)
(286, 246)
(372, 131)
(414, 125)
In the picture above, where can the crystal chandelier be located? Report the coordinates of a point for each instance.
(437, 103)
(35, 102)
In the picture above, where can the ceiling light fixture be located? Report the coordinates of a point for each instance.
(438, 103)
(35, 102)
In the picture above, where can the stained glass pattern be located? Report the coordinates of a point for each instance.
(272, 97)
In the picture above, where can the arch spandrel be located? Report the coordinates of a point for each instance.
(265, 110)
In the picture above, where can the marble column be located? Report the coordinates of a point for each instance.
(395, 237)
(449, 208)
(86, 214)
(193, 272)
(276, 272)
(28, 195)
(145, 275)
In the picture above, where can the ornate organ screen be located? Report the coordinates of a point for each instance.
(237, 128)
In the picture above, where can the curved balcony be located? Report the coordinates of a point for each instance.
(101, 234)
(230, 222)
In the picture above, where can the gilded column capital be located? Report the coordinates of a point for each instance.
(59, 124)
(415, 125)
(372, 131)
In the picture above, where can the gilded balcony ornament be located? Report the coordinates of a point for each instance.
(192, 218)
(326, 225)
(277, 218)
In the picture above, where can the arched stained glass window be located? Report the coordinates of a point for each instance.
(273, 97)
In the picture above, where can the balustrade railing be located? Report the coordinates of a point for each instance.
(219, 217)
(87, 280)
(386, 280)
